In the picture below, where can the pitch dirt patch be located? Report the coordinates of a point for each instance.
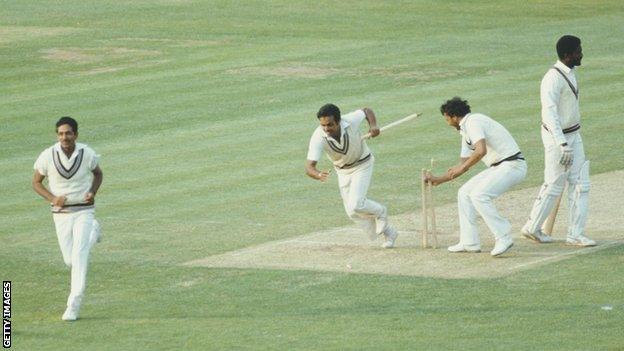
(289, 70)
(10, 34)
(310, 71)
(96, 55)
(347, 249)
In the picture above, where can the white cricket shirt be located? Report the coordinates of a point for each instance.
(499, 143)
(560, 106)
(347, 152)
(70, 177)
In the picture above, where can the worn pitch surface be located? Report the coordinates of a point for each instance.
(347, 249)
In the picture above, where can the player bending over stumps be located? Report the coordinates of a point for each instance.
(339, 136)
(482, 139)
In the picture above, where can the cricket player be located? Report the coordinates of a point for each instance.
(74, 178)
(564, 156)
(339, 136)
(487, 140)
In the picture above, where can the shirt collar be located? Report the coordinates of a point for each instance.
(563, 67)
(79, 146)
(463, 121)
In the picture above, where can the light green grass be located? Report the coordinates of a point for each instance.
(203, 121)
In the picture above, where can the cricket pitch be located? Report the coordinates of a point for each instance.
(348, 250)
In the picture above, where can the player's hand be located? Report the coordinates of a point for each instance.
(323, 175)
(455, 171)
(429, 178)
(567, 155)
(374, 131)
(58, 201)
(90, 197)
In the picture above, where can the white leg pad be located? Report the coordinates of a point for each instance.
(544, 203)
(578, 197)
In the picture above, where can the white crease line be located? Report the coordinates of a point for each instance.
(571, 253)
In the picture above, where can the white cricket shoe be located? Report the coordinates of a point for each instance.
(71, 314)
(381, 222)
(502, 245)
(539, 236)
(580, 240)
(457, 248)
(390, 235)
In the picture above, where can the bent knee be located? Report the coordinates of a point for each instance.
(463, 193)
(480, 197)
(356, 206)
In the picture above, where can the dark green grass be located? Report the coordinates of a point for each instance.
(203, 124)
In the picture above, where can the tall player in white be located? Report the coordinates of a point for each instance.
(74, 178)
(340, 138)
(487, 140)
(564, 155)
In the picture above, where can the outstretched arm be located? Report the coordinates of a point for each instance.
(464, 165)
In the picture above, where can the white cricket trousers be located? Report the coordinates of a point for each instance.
(354, 183)
(75, 238)
(578, 188)
(477, 196)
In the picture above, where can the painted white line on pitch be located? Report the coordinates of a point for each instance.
(571, 253)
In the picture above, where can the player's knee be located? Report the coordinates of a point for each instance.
(356, 206)
(478, 197)
(581, 187)
(553, 189)
(463, 193)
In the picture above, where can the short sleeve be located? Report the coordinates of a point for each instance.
(474, 131)
(315, 148)
(465, 150)
(41, 164)
(95, 160)
(354, 118)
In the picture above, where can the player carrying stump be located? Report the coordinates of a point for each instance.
(340, 138)
(482, 139)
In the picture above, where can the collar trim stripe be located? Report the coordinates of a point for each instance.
(64, 172)
(345, 147)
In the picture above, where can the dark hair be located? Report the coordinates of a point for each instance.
(566, 45)
(68, 120)
(455, 107)
(329, 110)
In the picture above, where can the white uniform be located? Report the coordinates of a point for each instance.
(353, 162)
(506, 168)
(75, 223)
(561, 124)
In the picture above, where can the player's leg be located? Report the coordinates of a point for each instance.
(366, 224)
(370, 209)
(63, 222)
(82, 230)
(578, 196)
(495, 181)
(468, 233)
(554, 182)
(96, 233)
(358, 202)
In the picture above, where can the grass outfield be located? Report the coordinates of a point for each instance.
(202, 112)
